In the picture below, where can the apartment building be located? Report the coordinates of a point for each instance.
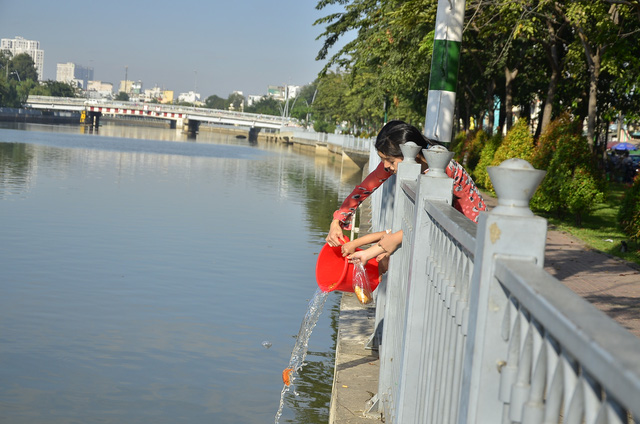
(73, 73)
(99, 90)
(19, 45)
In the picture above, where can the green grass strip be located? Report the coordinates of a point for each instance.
(600, 229)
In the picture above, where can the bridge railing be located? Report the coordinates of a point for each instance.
(346, 141)
(158, 107)
(475, 331)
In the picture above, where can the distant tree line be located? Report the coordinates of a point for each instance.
(19, 79)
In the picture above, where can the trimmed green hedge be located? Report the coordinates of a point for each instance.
(479, 173)
(573, 183)
(629, 213)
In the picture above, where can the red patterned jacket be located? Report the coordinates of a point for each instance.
(466, 197)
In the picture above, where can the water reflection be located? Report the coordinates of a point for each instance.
(15, 169)
(140, 278)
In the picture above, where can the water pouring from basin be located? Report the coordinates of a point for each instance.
(333, 273)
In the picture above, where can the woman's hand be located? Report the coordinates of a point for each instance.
(365, 256)
(335, 237)
(348, 248)
(389, 243)
(361, 256)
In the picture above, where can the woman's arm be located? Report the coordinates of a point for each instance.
(389, 244)
(363, 190)
(350, 247)
(365, 256)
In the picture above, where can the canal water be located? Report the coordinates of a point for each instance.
(147, 277)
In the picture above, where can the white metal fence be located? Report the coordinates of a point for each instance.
(475, 331)
(346, 141)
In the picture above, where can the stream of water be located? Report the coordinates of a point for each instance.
(299, 353)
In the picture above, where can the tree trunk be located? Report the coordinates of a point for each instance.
(510, 76)
(491, 85)
(552, 88)
(539, 126)
(594, 76)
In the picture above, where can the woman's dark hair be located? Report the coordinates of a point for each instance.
(395, 133)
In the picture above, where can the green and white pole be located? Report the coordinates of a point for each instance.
(444, 70)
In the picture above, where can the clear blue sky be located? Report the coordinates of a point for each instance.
(218, 46)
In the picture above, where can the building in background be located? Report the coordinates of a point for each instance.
(99, 90)
(19, 45)
(151, 94)
(125, 86)
(190, 97)
(136, 94)
(167, 97)
(74, 74)
(283, 92)
(292, 91)
(254, 98)
(158, 94)
(276, 91)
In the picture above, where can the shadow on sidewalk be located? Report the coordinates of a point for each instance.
(610, 284)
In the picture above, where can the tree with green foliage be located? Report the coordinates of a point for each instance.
(22, 68)
(479, 173)
(23, 81)
(301, 105)
(236, 100)
(573, 183)
(55, 89)
(8, 96)
(629, 212)
(122, 96)
(329, 105)
(5, 59)
(19, 78)
(216, 102)
(606, 32)
(518, 143)
(266, 106)
(384, 66)
(468, 146)
(23, 89)
(562, 128)
(581, 56)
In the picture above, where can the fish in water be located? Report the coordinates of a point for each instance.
(286, 376)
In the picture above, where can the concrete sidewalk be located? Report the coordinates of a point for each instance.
(355, 378)
(610, 284)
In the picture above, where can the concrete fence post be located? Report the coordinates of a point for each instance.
(509, 230)
(387, 301)
(412, 405)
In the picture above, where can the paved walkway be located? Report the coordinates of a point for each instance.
(610, 284)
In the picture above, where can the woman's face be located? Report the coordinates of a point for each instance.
(390, 162)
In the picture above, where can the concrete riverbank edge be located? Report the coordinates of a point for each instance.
(355, 379)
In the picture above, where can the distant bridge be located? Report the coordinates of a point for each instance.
(187, 118)
(351, 148)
